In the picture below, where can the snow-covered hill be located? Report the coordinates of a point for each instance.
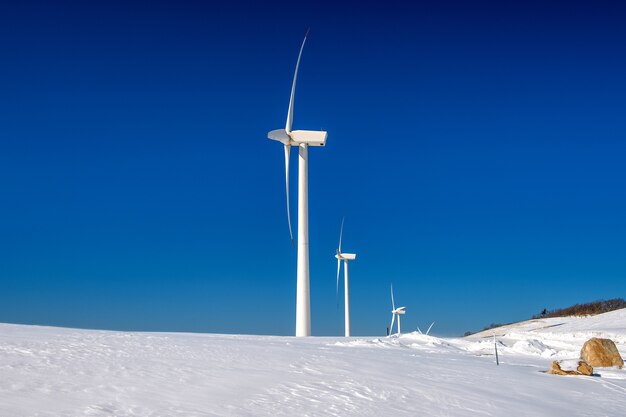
(47, 371)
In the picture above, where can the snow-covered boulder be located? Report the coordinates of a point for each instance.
(601, 353)
(570, 367)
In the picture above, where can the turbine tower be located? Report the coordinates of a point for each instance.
(302, 139)
(395, 312)
(345, 257)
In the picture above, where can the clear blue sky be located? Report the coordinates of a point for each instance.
(477, 151)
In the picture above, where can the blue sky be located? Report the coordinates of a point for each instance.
(477, 152)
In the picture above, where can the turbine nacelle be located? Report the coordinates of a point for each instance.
(299, 137)
(399, 310)
(345, 256)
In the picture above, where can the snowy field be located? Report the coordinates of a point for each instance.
(46, 371)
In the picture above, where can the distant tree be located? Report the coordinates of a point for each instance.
(588, 309)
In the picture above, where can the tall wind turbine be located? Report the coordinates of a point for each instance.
(302, 139)
(345, 257)
(395, 312)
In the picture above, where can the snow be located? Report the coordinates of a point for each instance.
(569, 364)
(47, 372)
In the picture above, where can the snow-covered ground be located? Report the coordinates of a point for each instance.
(47, 371)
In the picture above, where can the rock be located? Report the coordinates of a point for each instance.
(571, 367)
(584, 368)
(601, 353)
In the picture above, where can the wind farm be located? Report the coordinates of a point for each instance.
(154, 263)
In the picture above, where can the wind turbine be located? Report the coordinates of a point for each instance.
(345, 257)
(395, 312)
(302, 139)
(427, 331)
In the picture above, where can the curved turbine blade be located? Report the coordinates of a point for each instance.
(293, 89)
(287, 153)
(393, 318)
(341, 234)
(429, 327)
(393, 306)
(338, 269)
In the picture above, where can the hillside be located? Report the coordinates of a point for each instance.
(66, 372)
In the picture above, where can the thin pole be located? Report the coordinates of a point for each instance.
(303, 294)
(495, 345)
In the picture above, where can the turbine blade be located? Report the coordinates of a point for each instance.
(341, 234)
(293, 89)
(393, 305)
(337, 292)
(429, 327)
(393, 318)
(419, 330)
(287, 153)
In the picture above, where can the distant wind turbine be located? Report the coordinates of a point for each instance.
(395, 312)
(427, 331)
(345, 257)
(302, 139)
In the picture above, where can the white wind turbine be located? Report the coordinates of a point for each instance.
(302, 139)
(395, 312)
(427, 331)
(345, 257)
